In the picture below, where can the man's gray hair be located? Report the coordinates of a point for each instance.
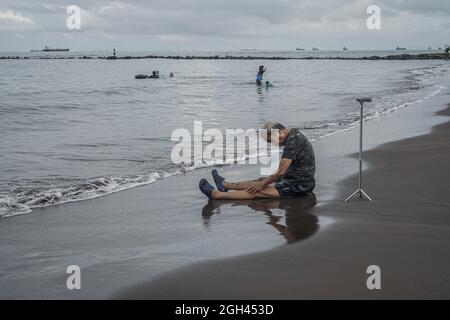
(273, 126)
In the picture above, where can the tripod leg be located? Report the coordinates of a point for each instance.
(366, 195)
(352, 195)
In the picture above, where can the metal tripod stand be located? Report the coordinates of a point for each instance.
(360, 191)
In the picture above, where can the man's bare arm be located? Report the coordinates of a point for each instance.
(282, 168)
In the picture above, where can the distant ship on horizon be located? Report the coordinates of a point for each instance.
(47, 49)
(398, 48)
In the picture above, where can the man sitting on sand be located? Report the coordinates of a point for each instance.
(294, 177)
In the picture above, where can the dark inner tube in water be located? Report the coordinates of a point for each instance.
(144, 76)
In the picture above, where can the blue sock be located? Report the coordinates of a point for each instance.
(218, 180)
(206, 188)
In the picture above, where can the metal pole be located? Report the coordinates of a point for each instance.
(360, 146)
(360, 191)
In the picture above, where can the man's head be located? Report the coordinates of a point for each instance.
(275, 133)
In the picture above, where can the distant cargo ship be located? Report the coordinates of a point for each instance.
(398, 48)
(47, 49)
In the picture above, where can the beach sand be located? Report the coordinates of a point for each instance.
(405, 231)
(258, 249)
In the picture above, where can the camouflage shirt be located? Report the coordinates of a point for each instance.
(303, 166)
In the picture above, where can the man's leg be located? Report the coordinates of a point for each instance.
(223, 185)
(269, 192)
(241, 185)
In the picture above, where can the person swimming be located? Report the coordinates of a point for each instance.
(259, 76)
(155, 75)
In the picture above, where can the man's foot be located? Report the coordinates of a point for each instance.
(206, 188)
(218, 180)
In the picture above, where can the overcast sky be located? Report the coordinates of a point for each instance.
(223, 24)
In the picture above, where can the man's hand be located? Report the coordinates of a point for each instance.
(256, 188)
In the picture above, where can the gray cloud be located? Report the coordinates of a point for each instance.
(224, 24)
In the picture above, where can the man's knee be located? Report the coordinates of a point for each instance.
(269, 192)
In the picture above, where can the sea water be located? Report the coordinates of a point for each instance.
(75, 129)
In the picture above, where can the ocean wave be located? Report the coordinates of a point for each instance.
(384, 111)
(23, 200)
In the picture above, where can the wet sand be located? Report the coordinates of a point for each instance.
(405, 231)
(200, 250)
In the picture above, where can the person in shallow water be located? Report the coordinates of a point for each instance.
(259, 76)
(155, 75)
(294, 177)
